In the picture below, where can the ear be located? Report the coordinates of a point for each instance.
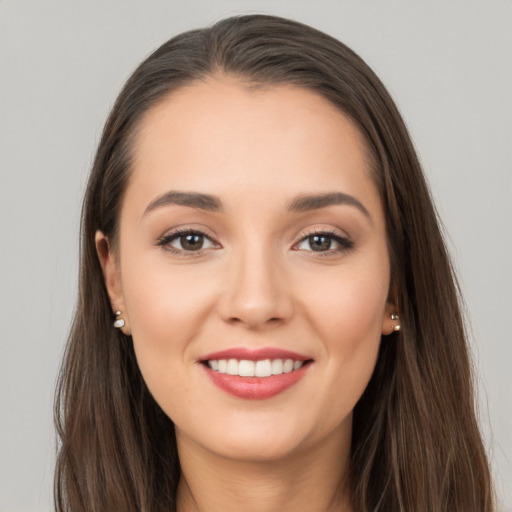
(390, 319)
(112, 277)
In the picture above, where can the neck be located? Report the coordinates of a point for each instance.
(312, 480)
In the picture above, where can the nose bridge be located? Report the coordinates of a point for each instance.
(256, 293)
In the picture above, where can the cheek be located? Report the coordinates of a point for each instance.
(347, 310)
(348, 304)
(163, 297)
(166, 306)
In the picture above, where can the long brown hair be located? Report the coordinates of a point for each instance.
(416, 445)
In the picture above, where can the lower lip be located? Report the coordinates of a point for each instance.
(256, 388)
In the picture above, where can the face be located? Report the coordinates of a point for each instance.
(252, 268)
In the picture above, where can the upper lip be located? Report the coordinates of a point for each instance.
(252, 354)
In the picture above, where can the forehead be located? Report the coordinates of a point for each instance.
(217, 104)
(220, 135)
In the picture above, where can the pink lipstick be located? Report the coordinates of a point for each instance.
(255, 374)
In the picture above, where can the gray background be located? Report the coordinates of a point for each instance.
(448, 65)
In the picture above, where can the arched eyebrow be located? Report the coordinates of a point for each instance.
(316, 202)
(190, 199)
(213, 203)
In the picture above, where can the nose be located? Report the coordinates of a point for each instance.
(256, 294)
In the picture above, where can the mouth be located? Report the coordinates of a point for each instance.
(255, 374)
(261, 368)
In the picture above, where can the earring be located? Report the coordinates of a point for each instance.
(119, 322)
(396, 327)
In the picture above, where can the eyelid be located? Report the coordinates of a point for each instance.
(344, 242)
(165, 240)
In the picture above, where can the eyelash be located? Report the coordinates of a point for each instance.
(345, 244)
(165, 241)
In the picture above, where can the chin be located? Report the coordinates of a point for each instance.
(253, 447)
(260, 438)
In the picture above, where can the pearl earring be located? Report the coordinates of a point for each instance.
(396, 327)
(119, 322)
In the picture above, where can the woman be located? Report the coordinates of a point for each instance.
(267, 315)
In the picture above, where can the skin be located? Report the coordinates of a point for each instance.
(256, 283)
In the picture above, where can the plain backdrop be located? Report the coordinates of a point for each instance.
(447, 64)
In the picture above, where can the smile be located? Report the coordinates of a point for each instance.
(255, 374)
(248, 368)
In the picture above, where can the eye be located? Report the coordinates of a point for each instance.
(324, 243)
(186, 241)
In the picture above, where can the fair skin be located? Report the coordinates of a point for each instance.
(253, 266)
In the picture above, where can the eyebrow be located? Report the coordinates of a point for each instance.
(190, 199)
(316, 202)
(213, 203)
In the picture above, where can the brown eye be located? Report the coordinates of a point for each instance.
(191, 242)
(186, 241)
(330, 243)
(319, 242)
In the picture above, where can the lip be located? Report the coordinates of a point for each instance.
(255, 354)
(255, 388)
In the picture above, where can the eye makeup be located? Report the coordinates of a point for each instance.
(191, 242)
(324, 243)
(187, 242)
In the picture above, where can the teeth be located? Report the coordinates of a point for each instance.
(261, 368)
(288, 366)
(232, 367)
(246, 368)
(277, 366)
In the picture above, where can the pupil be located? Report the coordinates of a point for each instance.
(192, 242)
(320, 243)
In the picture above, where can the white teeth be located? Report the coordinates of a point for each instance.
(288, 366)
(262, 368)
(232, 367)
(246, 368)
(277, 366)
